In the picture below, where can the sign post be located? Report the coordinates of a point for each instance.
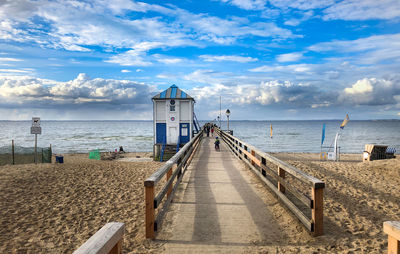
(36, 129)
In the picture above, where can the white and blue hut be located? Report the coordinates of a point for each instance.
(173, 115)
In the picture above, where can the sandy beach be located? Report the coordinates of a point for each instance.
(55, 208)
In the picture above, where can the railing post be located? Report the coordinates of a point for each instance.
(317, 212)
(392, 229)
(117, 249)
(169, 174)
(149, 194)
(282, 174)
(254, 154)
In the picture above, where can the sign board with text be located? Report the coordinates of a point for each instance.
(36, 129)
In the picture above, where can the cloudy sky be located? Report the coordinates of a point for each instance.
(267, 59)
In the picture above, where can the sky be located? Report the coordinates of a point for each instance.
(265, 59)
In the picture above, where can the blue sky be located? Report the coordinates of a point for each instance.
(267, 59)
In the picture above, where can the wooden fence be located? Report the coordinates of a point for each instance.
(173, 169)
(282, 178)
(108, 240)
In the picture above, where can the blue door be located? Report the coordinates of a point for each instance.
(161, 132)
(184, 133)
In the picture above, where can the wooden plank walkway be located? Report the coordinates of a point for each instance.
(217, 208)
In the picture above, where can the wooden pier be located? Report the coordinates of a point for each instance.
(217, 208)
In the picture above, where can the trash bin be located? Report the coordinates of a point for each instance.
(59, 159)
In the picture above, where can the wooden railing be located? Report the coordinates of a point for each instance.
(108, 240)
(392, 229)
(174, 168)
(282, 178)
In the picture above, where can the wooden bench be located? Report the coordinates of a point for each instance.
(108, 240)
(392, 229)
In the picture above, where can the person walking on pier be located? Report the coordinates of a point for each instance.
(212, 130)
(216, 143)
(208, 130)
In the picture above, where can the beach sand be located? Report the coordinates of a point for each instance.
(54, 208)
(358, 198)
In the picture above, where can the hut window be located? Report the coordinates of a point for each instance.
(172, 108)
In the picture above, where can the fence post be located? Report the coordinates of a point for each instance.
(50, 154)
(282, 174)
(13, 152)
(149, 194)
(317, 213)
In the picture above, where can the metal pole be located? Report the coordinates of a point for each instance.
(13, 153)
(35, 148)
(220, 117)
(228, 123)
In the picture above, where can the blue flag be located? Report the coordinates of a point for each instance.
(323, 134)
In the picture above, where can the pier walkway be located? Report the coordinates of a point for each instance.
(217, 208)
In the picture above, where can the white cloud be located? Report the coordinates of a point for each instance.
(296, 21)
(290, 57)
(373, 91)
(205, 76)
(264, 93)
(20, 10)
(130, 58)
(44, 93)
(9, 59)
(125, 71)
(232, 58)
(371, 49)
(360, 87)
(293, 68)
(166, 59)
(320, 105)
(170, 60)
(247, 4)
(228, 31)
(12, 72)
(302, 4)
(363, 10)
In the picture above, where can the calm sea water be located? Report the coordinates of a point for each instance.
(137, 136)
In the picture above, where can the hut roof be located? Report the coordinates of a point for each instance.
(173, 92)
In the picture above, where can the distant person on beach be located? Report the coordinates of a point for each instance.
(216, 143)
(121, 149)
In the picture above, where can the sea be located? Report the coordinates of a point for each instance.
(137, 136)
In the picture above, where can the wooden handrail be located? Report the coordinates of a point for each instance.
(108, 240)
(157, 176)
(257, 161)
(173, 169)
(392, 229)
